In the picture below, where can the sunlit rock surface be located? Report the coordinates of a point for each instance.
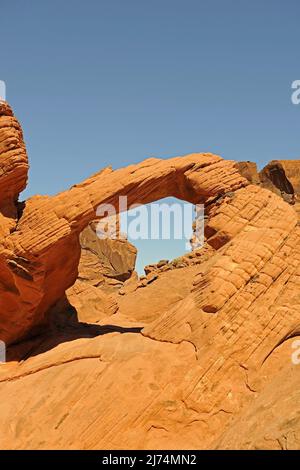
(197, 354)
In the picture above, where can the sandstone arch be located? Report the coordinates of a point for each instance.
(212, 353)
(40, 248)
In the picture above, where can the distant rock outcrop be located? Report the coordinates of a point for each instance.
(104, 265)
(103, 259)
(280, 176)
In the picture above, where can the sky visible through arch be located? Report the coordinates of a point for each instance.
(161, 230)
(100, 83)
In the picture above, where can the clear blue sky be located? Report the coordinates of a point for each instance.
(112, 82)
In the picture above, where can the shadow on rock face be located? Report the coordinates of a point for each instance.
(64, 327)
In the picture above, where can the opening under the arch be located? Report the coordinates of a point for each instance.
(161, 230)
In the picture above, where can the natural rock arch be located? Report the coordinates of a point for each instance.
(40, 247)
(212, 351)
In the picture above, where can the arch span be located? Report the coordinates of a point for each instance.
(39, 254)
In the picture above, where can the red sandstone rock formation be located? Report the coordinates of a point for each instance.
(195, 355)
(39, 260)
(104, 266)
(13, 168)
(280, 176)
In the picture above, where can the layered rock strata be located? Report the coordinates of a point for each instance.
(198, 354)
